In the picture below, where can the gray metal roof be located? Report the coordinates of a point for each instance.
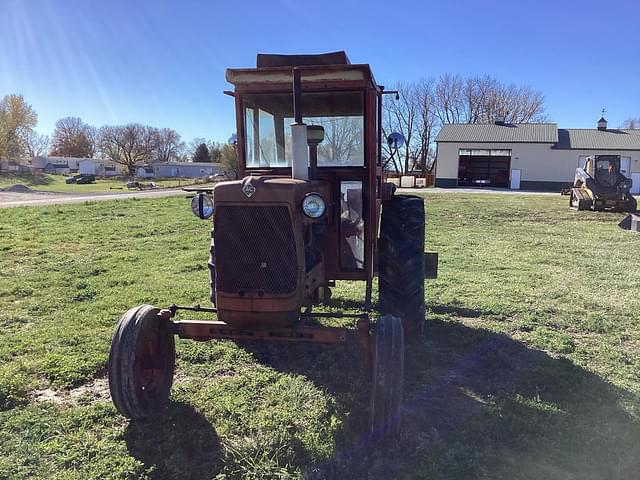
(592, 139)
(492, 133)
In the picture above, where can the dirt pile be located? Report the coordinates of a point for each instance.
(18, 188)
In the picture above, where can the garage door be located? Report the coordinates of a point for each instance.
(484, 168)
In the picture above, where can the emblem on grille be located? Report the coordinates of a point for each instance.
(248, 189)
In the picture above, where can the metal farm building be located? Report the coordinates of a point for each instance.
(529, 156)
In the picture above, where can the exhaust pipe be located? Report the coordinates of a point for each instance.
(300, 150)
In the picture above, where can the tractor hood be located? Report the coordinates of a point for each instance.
(259, 190)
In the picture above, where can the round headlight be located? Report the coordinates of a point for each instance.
(313, 205)
(202, 206)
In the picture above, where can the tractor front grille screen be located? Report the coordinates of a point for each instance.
(255, 250)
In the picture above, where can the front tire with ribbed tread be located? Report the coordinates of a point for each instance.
(141, 363)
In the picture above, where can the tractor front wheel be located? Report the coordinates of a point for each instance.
(388, 377)
(141, 363)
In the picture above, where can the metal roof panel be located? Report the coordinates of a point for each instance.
(592, 139)
(499, 133)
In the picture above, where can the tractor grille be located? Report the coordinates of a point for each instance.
(255, 250)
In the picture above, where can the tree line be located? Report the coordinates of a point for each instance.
(129, 145)
(418, 112)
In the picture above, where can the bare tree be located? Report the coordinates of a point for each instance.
(128, 145)
(424, 107)
(215, 151)
(73, 138)
(631, 123)
(483, 99)
(426, 125)
(520, 104)
(450, 104)
(193, 146)
(17, 120)
(343, 139)
(413, 115)
(91, 133)
(402, 116)
(229, 159)
(167, 145)
(37, 145)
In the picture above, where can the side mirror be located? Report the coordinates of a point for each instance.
(315, 134)
(395, 140)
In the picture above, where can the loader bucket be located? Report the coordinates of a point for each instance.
(631, 222)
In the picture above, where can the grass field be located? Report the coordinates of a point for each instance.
(528, 370)
(56, 183)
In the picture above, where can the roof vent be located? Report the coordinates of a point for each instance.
(602, 123)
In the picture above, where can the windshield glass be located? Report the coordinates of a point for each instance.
(606, 165)
(268, 135)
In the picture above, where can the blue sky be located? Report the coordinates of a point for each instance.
(162, 63)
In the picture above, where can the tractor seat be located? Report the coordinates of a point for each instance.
(608, 179)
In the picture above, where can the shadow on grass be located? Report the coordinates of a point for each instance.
(482, 405)
(477, 405)
(180, 444)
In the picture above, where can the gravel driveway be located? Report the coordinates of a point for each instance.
(33, 198)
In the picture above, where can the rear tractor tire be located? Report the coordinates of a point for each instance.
(388, 378)
(141, 363)
(401, 271)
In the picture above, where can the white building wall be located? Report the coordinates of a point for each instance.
(532, 159)
(190, 170)
(574, 155)
(538, 162)
(87, 167)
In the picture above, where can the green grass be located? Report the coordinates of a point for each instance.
(529, 367)
(56, 183)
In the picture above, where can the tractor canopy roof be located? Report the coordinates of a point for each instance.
(274, 72)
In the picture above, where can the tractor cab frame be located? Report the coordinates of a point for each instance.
(345, 100)
(310, 208)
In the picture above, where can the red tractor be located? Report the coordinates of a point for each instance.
(311, 208)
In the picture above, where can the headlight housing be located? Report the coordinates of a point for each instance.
(202, 206)
(314, 205)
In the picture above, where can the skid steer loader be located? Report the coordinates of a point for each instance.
(601, 186)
